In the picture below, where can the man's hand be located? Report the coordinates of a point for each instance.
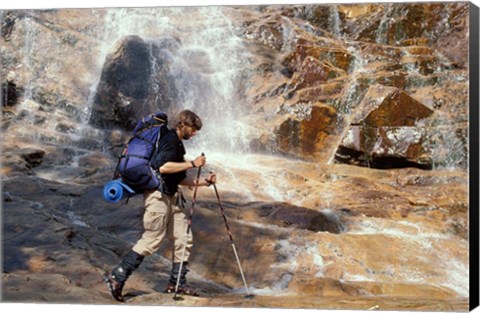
(211, 179)
(199, 161)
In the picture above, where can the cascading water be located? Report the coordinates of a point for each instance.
(31, 30)
(334, 20)
(205, 70)
(224, 54)
(415, 234)
(29, 42)
(352, 95)
(382, 31)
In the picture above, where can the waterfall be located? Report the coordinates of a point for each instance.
(382, 31)
(351, 97)
(29, 41)
(205, 71)
(118, 23)
(218, 46)
(334, 20)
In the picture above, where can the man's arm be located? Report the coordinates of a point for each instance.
(175, 167)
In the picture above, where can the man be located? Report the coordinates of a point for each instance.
(165, 214)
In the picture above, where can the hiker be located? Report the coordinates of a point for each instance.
(165, 213)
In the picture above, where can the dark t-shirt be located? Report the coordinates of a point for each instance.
(170, 149)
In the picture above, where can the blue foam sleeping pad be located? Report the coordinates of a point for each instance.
(116, 190)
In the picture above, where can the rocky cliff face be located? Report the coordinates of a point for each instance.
(338, 132)
(375, 49)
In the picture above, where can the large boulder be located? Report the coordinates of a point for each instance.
(135, 81)
(388, 106)
(123, 84)
(385, 132)
(385, 147)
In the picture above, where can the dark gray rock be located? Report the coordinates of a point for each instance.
(135, 82)
(287, 215)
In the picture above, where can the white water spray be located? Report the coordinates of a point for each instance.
(206, 70)
(351, 97)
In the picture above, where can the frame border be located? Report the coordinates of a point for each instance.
(474, 155)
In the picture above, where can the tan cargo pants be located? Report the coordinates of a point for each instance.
(164, 216)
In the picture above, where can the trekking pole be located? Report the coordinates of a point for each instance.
(249, 295)
(175, 297)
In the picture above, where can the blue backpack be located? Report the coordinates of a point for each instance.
(134, 166)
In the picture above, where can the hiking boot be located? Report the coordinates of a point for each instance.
(188, 291)
(118, 276)
(170, 288)
(182, 290)
(115, 287)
